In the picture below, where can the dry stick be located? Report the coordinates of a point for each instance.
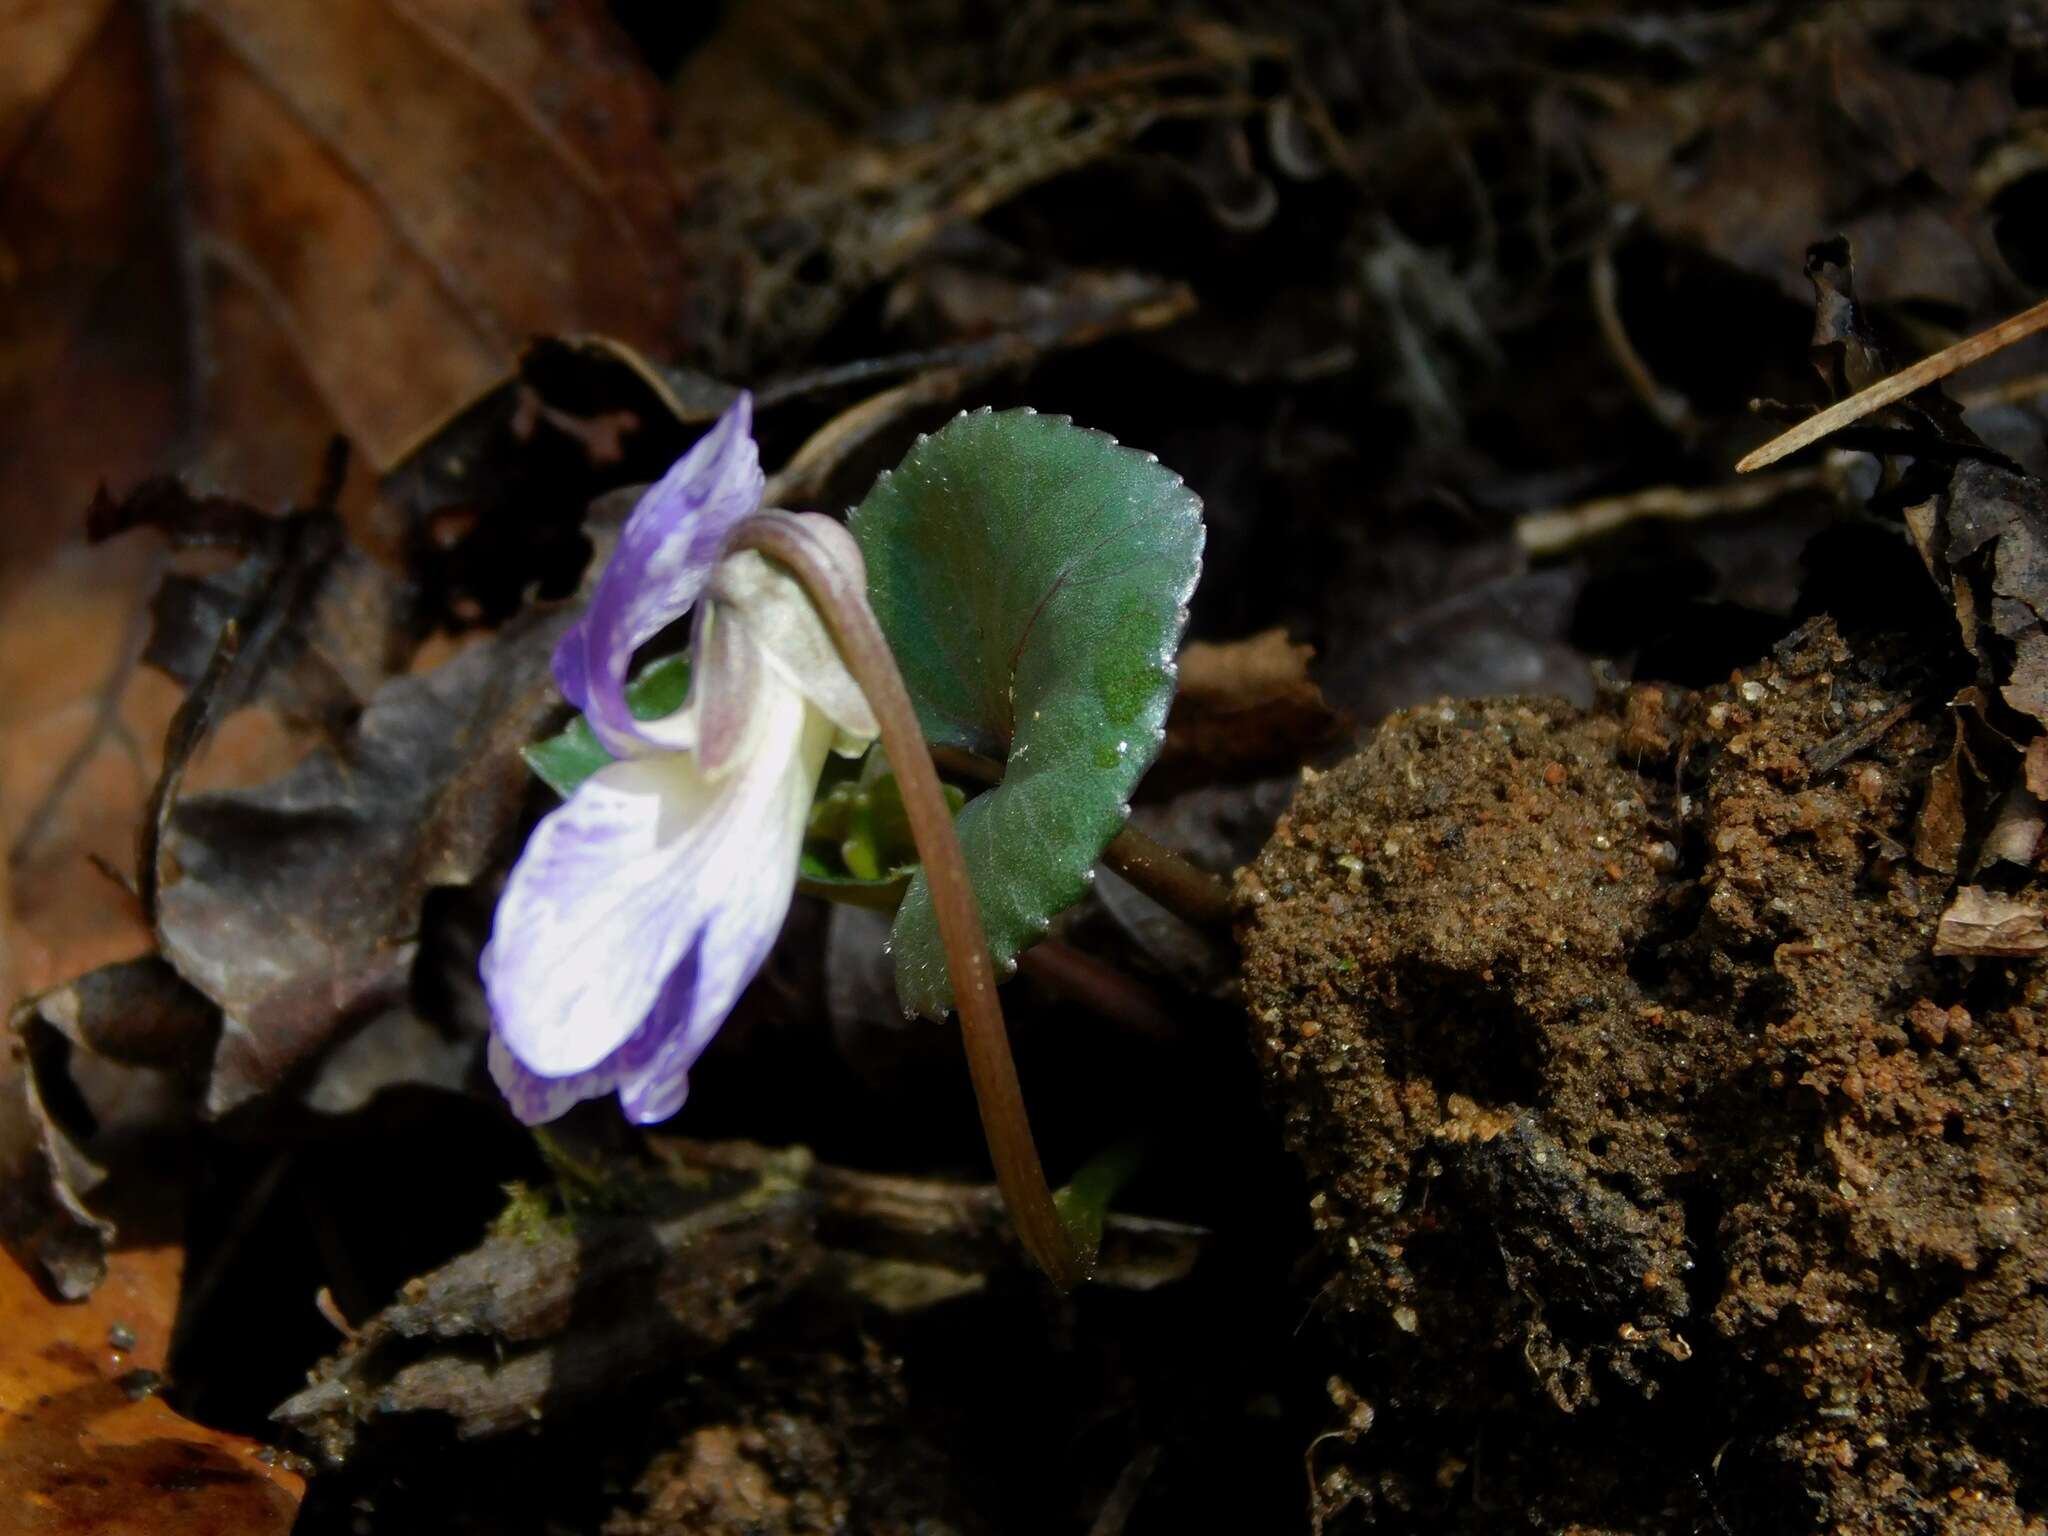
(1889, 391)
(1553, 531)
(844, 605)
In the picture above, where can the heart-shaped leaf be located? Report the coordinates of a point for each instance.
(1032, 578)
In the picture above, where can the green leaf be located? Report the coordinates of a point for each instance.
(1032, 578)
(565, 760)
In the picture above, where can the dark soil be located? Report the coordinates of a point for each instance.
(1671, 1185)
(806, 1444)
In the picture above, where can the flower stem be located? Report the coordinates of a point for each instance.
(844, 606)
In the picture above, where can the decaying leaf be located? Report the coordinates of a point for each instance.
(1981, 922)
(1942, 821)
(314, 216)
(1849, 355)
(490, 503)
(86, 1445)
(321, 623)
(305, 623)
(298, 905)
(812, 183)
(1243, 706)
(96, 1068)
(1997, 524)
(1809, 130)
(565, 1310)
(80, 729)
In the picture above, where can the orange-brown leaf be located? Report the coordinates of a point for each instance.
(83, 1452)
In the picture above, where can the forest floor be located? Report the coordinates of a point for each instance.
(1621, 1104)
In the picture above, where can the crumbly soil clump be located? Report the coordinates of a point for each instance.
(1670, 1183)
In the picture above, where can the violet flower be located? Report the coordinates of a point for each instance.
(643, 906)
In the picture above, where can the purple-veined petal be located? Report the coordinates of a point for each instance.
(653, 861)
(662, 560)
(582, 941)
(571, 667)
(536, 1100)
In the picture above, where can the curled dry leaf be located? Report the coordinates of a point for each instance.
(305, 624)
(85, 1443)
(299, 903)
(99, 1066)
(1981, 922)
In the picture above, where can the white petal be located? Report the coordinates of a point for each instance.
(653, 861)
(584, 937)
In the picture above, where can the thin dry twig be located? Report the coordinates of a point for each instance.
(1671, 408)
(1889, 391)
(1558, 529)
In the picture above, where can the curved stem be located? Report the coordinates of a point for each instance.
(844, 606)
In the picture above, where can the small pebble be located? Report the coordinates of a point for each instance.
(139, 1384)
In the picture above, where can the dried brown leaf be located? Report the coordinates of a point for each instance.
(1981, 922)
(85, 1446)
(1942, 821)
(830, 144)
(299, 903)
(1816, 129)
(98, 1067)
(1243, 707)
(316, 215)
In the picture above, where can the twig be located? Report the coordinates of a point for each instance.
(2028, 386)
(1906, 381)
(802, 479)
(1558, 529)
(1838, 749)
(1019, 1173)
(1116, 1510)
(1670, 407)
